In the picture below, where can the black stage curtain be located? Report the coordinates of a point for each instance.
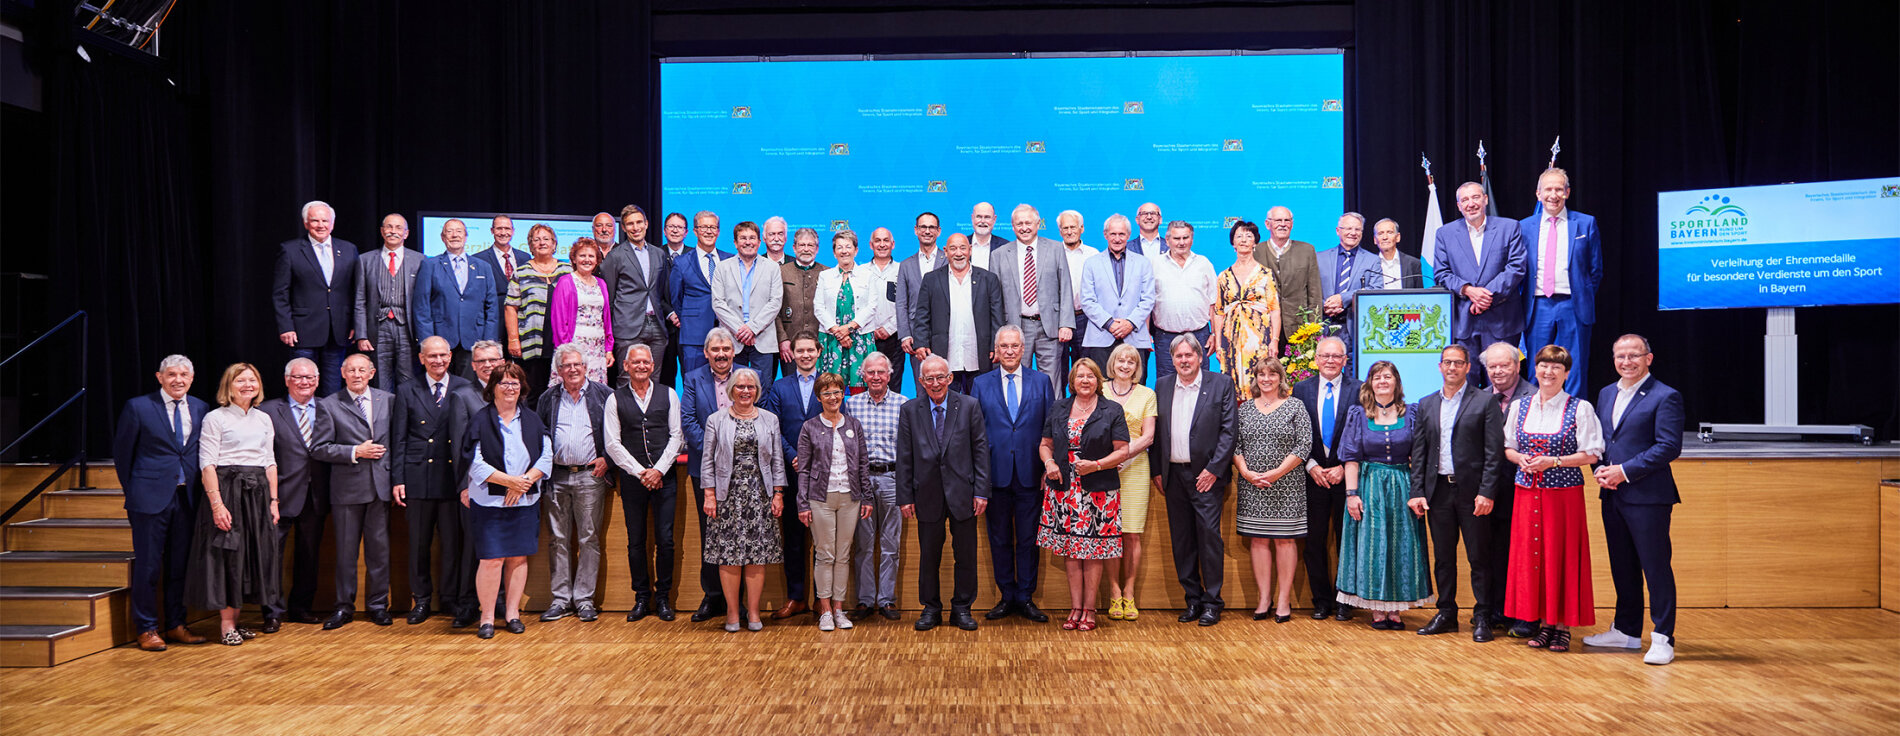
(174, 197)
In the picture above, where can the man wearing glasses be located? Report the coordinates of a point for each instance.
(910, 279)
(1149, 239)
(1326, 397)
(943, 479)
(1642, 418)
(1457, 453)
(689, 290)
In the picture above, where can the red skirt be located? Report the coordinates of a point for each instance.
(1550, 559)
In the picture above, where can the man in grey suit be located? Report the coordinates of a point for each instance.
(385, 281)
(943, 476)
(910, 278)
(1043, 306)
(356, 444)
(303, 490)
(747, 292)
(636, 279)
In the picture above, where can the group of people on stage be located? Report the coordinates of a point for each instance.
(541, 386)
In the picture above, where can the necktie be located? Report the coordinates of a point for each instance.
(709, 268)
(178, 432)
(392, 263)
(303, 422)
(461, 273)
(1009, 395)
(362, 407)
(1504, 402)
(507, 262)
(323, 260)
(939, 413)
(1343, 279)
(438, 393)
(1029, 273)
(1326, 410)
(1547, 281)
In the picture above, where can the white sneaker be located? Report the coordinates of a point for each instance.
(824, 622)
(841, 621)
(1662, 649)
(1612, 638)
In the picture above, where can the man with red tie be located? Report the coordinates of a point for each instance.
(385, 281)
(1565, 267)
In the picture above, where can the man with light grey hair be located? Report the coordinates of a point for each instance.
(1037, 295)
(1077, 255)
(703, 394)
(313, 292)
(302, 502)
(773, 232)
(880, 535)
(1327, 397)
(576, 498)
(1342, 271)
(155, 451)
(1117, 294)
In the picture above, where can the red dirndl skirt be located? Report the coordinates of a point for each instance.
(1550, 559)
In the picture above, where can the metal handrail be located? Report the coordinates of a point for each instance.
(80, 397)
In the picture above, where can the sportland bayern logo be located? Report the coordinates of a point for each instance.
(1715, 216)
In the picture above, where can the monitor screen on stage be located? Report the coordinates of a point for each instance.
(1787, 245)
(859, 144)
(425, 234)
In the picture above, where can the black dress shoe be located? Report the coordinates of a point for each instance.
(486, 631)
(928, 620)
(302, 617)
(1342, 612)
(889, 613)
(1210, 615)
(1192, 613)
(516, 627)
(1002, 609)
(381, 617)
(1320, 613)
(419, 614)
(663, 609)
(271, 625)
(962, 618)
(1522, 630)
(1443, 623)
(1031, 612)
(860, 612)
(464, 620)
(639, 609)
(707, 609)
(1262, 615)
(338, 619)
(1481, 632)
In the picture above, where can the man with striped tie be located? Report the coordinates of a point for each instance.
(303, 493)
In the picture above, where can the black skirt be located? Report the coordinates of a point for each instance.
(243, 564)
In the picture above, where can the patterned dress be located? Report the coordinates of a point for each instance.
(1549, 578)
(744, 532)
(835, 358)
(1137, 407)
(590, 331)
(1277, 511)
(1076, 523)
(1382, 556)
(1244, 332)
(528, 294)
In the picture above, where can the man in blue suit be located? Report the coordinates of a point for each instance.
(689, 290)
(1014, 409)
(794, 400)
(703, 394)
(1564, 267)
(1342, 272)
(1481, 260)
(155, 450)
(1118, 292)
(502, 259)
(1642, 423)
(455, 298)
(313, 291)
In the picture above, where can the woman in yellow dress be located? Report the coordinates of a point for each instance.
(1247, 316)
(1139, 408)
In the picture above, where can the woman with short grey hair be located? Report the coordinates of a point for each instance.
(743, 471)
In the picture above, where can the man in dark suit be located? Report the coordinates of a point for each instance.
(1326, 396)
(354, 438)
(689, 291)
(910, 280)
(636, 277)
(502, 259)
(673, 234)
(703, 394)
(943, 477)
(313, 291)
(1457, 454)
(1191, 457)
(385, 283)
(1014, 408)
(454, 298)
(1564, 265)
(1396, 270)
(303, 491)
(155, 451)
(426, 482)
(1643, 418)
(1481, 260)
(957, 313)
(1504, 365)
(794, 400)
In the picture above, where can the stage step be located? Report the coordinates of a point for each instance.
(60, 605)
(48, 645)
(97, 503)
(107, 569)
(66, 535)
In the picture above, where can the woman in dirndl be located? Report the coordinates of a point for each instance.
(1551, 436)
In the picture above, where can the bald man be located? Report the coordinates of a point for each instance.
(355, 442)
(385, 286)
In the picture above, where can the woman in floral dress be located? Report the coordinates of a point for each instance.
(1247, 315)
(1084, 439)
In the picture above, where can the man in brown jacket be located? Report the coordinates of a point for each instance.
(1295, 268)
(798, 316)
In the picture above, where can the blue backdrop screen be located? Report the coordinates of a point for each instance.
(871, 143)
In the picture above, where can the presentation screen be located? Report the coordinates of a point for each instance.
(859, 144)
(1787, 245)
(425, 234)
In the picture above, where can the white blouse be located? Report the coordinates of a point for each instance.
(867, 299)
(233, 436)
(1547, 416)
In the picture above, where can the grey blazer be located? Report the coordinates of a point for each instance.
(768, 294)
(632, 282)
(910, 280)
(716, 462)
(300, 481)
(1055, 298)
(354, 480)
(815, 459)
(376, 290)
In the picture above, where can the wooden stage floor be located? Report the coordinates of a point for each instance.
(1741, 671)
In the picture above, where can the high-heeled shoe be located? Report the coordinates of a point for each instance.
(1280, 618)
(1086, 624)
(1543, 637)
(1115, 608)
(1073, 621)
(1261, 615)
(1129, 612)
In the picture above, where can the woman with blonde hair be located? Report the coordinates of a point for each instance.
(1138, 409)
(1271, 444)
(1084, 436)
(743, 471)
(237, 560)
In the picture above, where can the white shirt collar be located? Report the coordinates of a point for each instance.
(1621, 386)
(1195, 384)
(354, 396)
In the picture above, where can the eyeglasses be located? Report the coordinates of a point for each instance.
(830, 393)
(573, 366)
(301, 378)
(936, 378)
(1627, 357)
(508, 384)
(1454, 363)
(924, 227)
(1333, 356)
(488, 361)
